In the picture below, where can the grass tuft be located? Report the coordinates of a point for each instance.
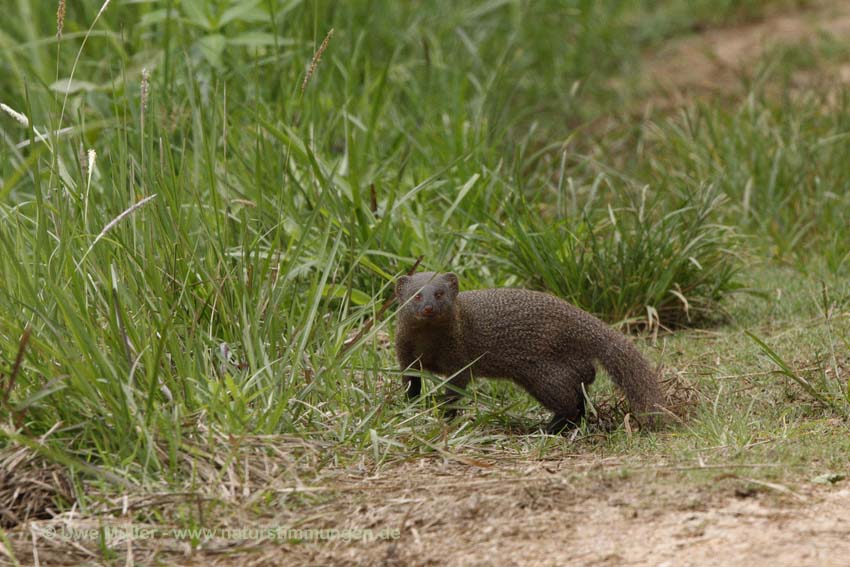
(642, 263)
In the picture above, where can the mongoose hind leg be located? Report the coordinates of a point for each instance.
(560, 388)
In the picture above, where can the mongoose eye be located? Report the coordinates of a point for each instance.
(438, 295)
(417, 297)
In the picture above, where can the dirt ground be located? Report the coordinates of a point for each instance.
(575, 511)
(536, 517)
(543, 518)
(714, 61)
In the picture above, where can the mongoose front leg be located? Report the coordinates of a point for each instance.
(451, 393)
(414, 386)
(407, 359)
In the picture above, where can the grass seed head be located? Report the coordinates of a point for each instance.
(146, 75)
(25, 122)
(317, 58)
(60, 19)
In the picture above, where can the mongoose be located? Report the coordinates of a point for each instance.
(539, 341)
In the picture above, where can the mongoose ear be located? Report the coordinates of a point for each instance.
(400, 284)
(451, 279)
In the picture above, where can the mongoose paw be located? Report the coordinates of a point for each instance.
(448, 406)
(413, 386)
(449, 413)
(560, 425)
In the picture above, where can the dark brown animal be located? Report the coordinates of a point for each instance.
(542, 343)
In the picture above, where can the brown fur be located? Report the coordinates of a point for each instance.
(542, 343)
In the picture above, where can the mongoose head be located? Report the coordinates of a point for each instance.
(427, 297)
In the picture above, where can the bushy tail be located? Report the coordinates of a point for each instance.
(630, 370)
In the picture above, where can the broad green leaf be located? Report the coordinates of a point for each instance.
(212, 47)
(196, 13)
(70, 86)
(245, 11)
(340, 291)
(151, 18)
(252, 39)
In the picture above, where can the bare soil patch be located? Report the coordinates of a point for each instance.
(715, 61)
(576, 510)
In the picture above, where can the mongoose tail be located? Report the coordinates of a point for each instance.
(631, 372)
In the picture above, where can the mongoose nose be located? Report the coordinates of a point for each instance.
(428, 310)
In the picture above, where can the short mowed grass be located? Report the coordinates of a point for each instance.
(203, 213)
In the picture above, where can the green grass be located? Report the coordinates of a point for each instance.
(201, 274)
(653, 261)
(780, 163)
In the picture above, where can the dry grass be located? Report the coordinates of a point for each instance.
(578, 508)
(30, 487)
